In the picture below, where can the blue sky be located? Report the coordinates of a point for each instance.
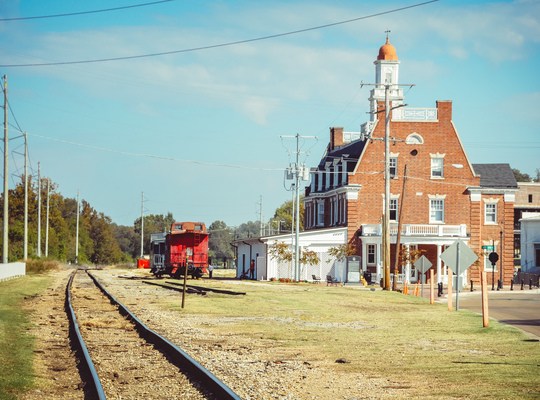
(199, 132)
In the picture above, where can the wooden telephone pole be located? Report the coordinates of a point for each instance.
(6, 173)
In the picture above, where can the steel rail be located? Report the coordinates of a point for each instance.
(189, 290)
(207, 289)
(180, 358)
(95, 389)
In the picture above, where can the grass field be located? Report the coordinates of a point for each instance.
(16, 346)
(440, 353)
(382, 334)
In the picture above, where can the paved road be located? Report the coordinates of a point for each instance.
(518, 308)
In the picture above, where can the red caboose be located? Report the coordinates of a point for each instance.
(185, 245)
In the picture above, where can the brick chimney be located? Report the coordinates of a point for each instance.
(336, 138)
(444, 110)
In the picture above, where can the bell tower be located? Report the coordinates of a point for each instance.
(386, 73)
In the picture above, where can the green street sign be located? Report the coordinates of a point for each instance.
(489, 248)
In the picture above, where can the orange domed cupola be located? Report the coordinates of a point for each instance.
(387, 52)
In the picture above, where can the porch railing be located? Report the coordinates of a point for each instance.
(418, 230)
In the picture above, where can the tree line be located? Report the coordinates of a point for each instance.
(101, 241)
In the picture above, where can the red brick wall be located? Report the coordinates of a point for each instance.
(439, 137)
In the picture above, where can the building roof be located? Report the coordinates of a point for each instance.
(387, 52)
(495, 175)
(350, 151)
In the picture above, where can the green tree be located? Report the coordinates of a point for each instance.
(106, 248)
(128, 240)
(153, 223)
(521, 176)
(343, 250)
(219, 243)
(284, 213)
(99, 238)
(247, 230)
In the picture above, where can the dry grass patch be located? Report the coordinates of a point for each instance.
(380, 334)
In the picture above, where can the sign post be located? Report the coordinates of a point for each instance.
(493, 258)
(423, 265)
(457, 256)
(485, 307)
(189, 252)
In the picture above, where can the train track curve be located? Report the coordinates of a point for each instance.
(117, 351)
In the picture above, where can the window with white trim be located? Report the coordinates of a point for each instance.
(393, 209)
(335, 210)
(436, 210)
(343, 209)
(437, 165)
(392, 161)
(371, 254)
(490, 213)
(320, 213)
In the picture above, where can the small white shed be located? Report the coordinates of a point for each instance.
(267, 268)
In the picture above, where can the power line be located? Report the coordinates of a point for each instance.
(148, 155)
(83, 12)
(214, 46)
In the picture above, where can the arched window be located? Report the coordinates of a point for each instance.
(414, 138)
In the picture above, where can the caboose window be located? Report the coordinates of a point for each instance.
(178, 227)
(198, 227)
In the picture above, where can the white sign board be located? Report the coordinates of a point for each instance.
(459, 256)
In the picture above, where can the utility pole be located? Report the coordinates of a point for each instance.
(386, 217)
(386, 209)
(261, 227)
(39, 211)
(142, 224)
(47, 219)
(25, 251)
(298, 175)
(77, 233)
(400, 224)
(297, 214)
(6, 173)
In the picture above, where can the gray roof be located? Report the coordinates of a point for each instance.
(495, 175)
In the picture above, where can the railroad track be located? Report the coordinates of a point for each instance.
(194, 289)
(122, 358)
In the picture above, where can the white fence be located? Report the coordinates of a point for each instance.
(12, 270)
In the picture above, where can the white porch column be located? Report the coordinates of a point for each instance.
(364, 256)
(379, 261)
(439, 264)
(407, 277)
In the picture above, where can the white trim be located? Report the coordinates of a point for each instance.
(414, 138)
(510, 197)
(436, 196)
(476, 196)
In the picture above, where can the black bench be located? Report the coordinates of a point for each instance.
(331, 281)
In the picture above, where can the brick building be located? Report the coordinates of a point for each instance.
(527, 205)
(436, 194)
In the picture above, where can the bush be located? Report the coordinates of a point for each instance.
(39, 266)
